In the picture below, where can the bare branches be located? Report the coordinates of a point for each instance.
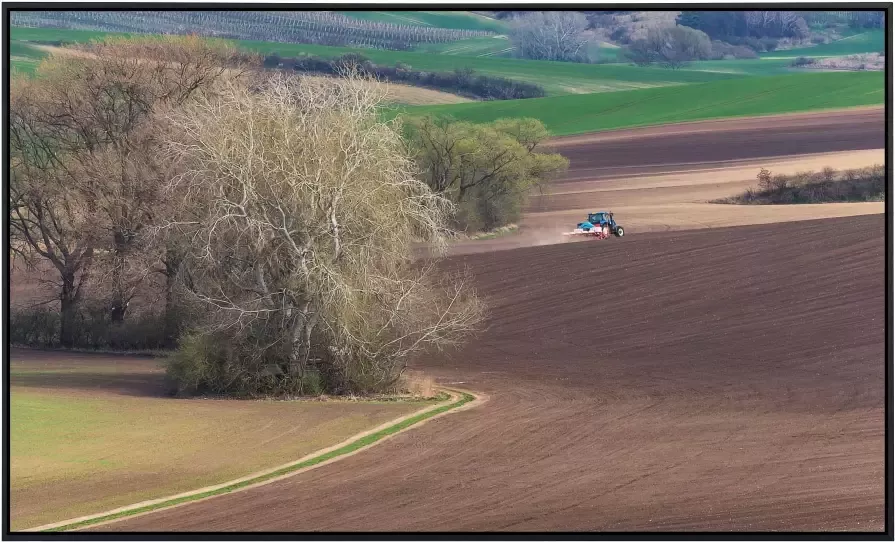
(551, 35)
(85, 168)
(304, 209)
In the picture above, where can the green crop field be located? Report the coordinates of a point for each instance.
(490, 46)
(19, 33)
(556, 77)
(462, 20)
(873, 41)
(566, 115)
(24, 57)
(747, 67)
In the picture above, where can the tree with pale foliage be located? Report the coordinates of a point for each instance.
(670, 47)
(302, 208)
(550, 35)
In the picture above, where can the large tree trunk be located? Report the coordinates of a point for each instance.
(68, 299)
(172, 262)
(302, 329)
(119, 301)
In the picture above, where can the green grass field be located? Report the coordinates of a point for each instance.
(556, 77)
(91, 433)
(23, 57)
(20, 33)
(461, 20)
(746, 67)
(490, 46)
(873, 41)
(566, 115)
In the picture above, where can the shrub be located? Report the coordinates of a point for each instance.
(33, 326)
(722, 50)
(465, 82)
(803, 61)
(764, 179)
(214, 364)
(93, 328)
(620, 34)
(826, 186)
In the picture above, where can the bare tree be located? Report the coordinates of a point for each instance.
(670, 47)
(551, 35)
(86, 172)
(776, 23)
(302, 209)
(48, 221)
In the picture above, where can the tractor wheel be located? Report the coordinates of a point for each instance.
(619, 232)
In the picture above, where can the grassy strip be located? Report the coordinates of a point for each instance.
(753, 96)
(356, 445)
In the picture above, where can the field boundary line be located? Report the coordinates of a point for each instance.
(459, 400)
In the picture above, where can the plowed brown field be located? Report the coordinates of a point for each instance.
(711, 379)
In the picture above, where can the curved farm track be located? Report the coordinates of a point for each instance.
(710, 379)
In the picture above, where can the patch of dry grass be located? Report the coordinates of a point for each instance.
(407, 94)
(92, 432)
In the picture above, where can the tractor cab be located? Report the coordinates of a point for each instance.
(602, 220)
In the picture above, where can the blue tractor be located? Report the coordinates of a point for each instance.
(601, 224)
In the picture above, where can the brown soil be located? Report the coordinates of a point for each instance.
(661, 178)
(710, 379)
(720, 379)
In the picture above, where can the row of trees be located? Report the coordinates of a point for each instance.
(279, 213)
(84, 165)
(736, 26)
(855, 19)
(465, 82)
(317, 27)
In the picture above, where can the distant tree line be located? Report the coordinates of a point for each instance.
(825, 186)
(464, 82)
(758, 30)
(854, 19)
